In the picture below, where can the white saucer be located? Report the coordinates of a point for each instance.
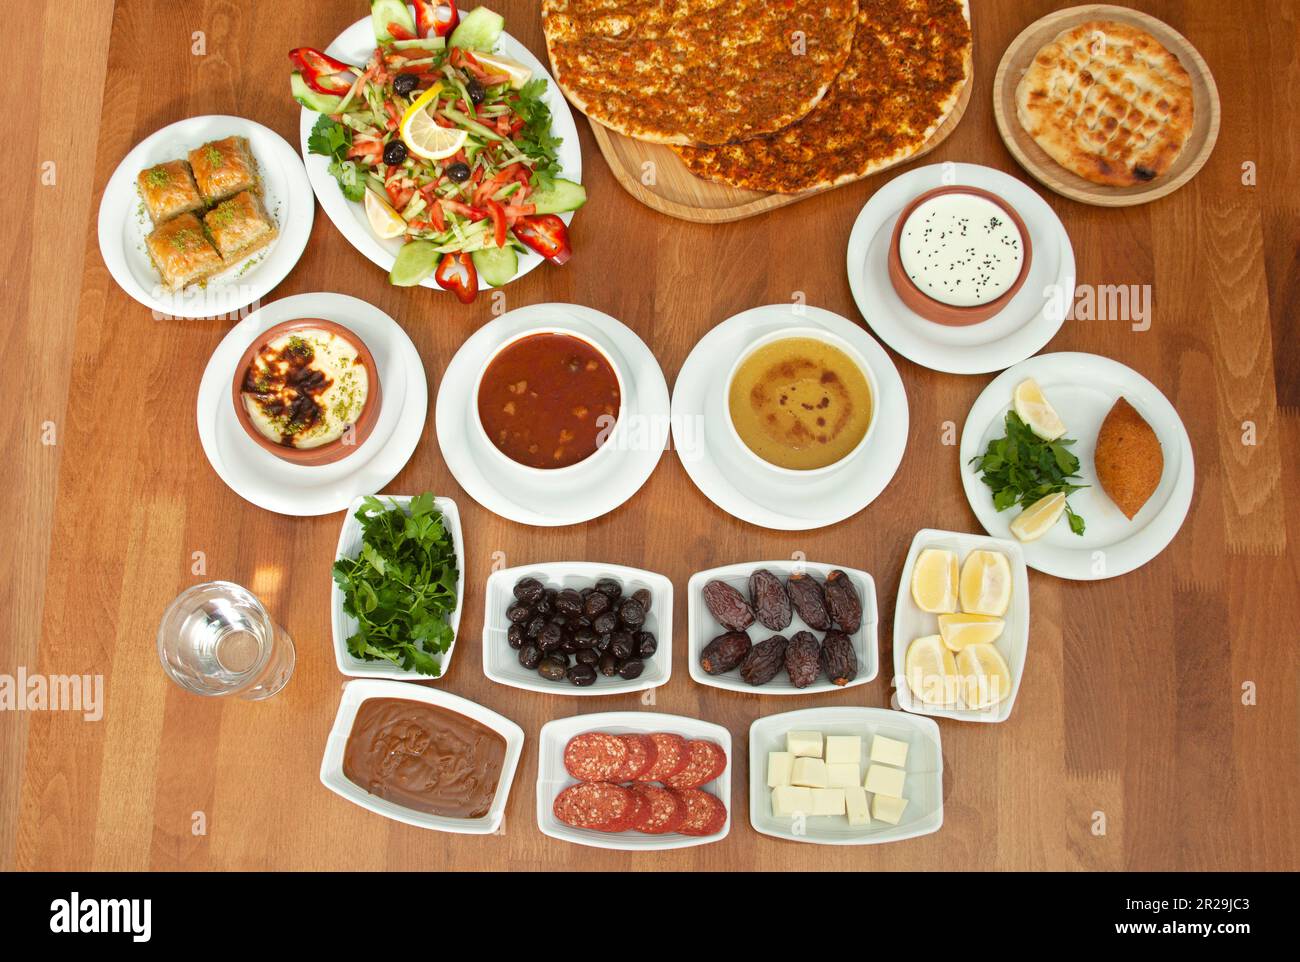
(257, 475)
(727, 474)
(1020, 330)
(355, 45)
(1082, 387)
(124, 224)
(588, 489)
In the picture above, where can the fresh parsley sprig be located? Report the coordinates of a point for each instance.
(536, 140)
(1022, 468)
(333, 140)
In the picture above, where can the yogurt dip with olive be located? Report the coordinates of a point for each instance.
(305, 387)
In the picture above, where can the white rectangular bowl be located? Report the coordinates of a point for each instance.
(501, 662)
(343, 625)
(910, 622)
(552, 777)
(331, 768)
(704, 628)
(923, 788)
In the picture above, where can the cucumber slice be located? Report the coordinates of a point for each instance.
(415, 261)
(563, 195)
(496, 265)
(479, 30)
(313, 99)
(384, 12)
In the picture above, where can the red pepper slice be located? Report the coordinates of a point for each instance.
(546, 234)
(456, 273)
(321, 72)
(398, 32)
(456, 207)
(498, 215)
(436, 18)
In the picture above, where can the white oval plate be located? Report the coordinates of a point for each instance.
(552, 777)
(923, 788)
(331, 766)
(1021, 329)
(343, 625)
(910, 622)
(726, 472)
(1083, 387)
(257, 475)
(590, 488)
(704, 627)
(355, 45)
(124, 224)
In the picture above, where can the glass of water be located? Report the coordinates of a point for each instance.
(217, 639)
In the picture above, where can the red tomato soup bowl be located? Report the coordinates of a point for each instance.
(316, 362)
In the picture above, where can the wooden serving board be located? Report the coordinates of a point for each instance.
(1020, 54)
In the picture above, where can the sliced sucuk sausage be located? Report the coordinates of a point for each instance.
(639, 759)
(705, 813)
(671, 755)
(664, 811)
(596, 805)
(706, 763)
(595, 757)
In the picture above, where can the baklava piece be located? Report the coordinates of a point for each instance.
(223, 168)
(168, 190)
(239, 226)
(182, 252)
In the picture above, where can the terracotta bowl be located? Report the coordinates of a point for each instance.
(335, 450)
(937, 311)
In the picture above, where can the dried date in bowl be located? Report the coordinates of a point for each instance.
(838, 659)
(843, 601)
(728, 606)
(809, 601)
(725, 652)
(768, 598)
(764, 661)
(802, 659)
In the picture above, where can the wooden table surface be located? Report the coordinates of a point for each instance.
(1132, 703)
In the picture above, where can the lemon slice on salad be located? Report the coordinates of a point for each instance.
(384, 220)
(422, 134)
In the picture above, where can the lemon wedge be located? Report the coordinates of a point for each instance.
(985, 677)
(1037, 519)
(495, 63)
(960, 630)
(934, 580)
(422, 134)
(986, 583)
(1035, 411)
(384, 220)
(931, 671)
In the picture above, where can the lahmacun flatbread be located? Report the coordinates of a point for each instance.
(1109, 102)
(697, 71)
(904, 76)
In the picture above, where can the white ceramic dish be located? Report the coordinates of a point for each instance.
(910, 622)
(501, 662)
(1021, 329)
(261, 478)
(704, 627)
(923, 789)
(124, 224)
(344, 625)
(331, 769)
(724, 470)
(591, 488)
(355, 45)
(1082, 388)
(552, 777)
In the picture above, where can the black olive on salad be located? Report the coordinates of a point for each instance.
(394, 153)
(458, 172)
(404, 83)
(475, 90)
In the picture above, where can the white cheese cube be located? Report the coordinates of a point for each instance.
(887, 808)
(827, 801)
(779, 766)
(804, 743)
(855, 801)
(844, 776)
(810, 772)
(889, 751)
(843, 749)
(883, 780)
(789, 801)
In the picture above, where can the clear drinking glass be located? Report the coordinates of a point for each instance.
(217, 639)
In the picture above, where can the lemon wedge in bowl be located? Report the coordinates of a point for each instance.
(384, 220)
(931, 672)
(986, 583)
(423, 135)
(1035, 410)
(1037, 519)
(958, 631)
(985, 677)
(934, 580)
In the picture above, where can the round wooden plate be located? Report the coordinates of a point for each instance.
(1021, 53)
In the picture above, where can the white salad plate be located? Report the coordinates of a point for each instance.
(269, 482)
(331, 767)
(1021, 329)
(124, 224)
(344, 625)
(923, 787)
(910, 622)
(501, 662)
(552, 778)
(1082, 388)
(728, 473)
(586, 490)
(355, 45)
(703, 627)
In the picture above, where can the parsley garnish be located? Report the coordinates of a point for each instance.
(333, 140)
(536, 139)
(1022, 468)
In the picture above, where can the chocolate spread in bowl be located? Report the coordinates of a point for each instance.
(424, 757)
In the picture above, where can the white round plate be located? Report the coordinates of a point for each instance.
(257, 475)
(726, 472)
(588, 489)
(1020, 330)
(124, 224)
(355, 45)
(1083, 387)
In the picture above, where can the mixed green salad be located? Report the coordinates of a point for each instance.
(447, 143)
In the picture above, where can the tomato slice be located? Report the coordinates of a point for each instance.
(498, 215)
(456, 273)
(546, 234)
